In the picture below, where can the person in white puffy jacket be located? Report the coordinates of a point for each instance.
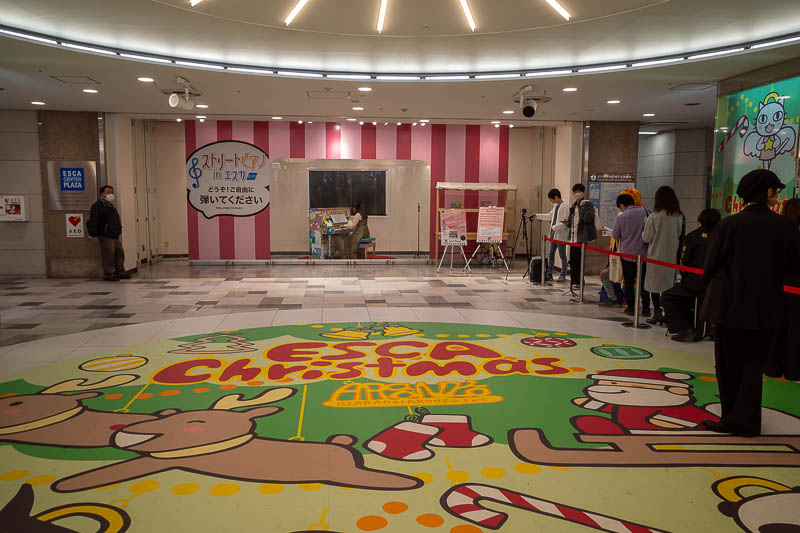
(558, 231)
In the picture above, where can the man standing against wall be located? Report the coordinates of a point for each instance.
(105, 227)
(582, 229)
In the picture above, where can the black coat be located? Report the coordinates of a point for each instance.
(587, 232)
(693, 254)
(783, 358)
(750, 254)
(104, 221)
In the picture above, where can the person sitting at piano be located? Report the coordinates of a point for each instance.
(358, 226)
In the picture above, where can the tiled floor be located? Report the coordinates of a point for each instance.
(33, 309)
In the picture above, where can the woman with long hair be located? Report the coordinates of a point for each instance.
(662, 231)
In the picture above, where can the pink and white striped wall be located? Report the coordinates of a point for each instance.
(455, 152)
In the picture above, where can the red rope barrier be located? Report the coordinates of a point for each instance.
(786, 288)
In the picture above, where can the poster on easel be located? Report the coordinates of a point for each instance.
(453, 227)
(490, 224)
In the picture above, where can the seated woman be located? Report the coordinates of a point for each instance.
(358, 226)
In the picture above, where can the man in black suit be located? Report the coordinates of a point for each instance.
(679, 301)
(750, 254)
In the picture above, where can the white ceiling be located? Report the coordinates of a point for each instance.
(420, 35)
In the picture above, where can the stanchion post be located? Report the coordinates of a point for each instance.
(696, 302)
(637, 292)
(583, 266)
(544, 246)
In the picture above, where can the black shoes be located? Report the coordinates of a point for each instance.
(721, 427)
(110, 278)
(687, 335)
(658, 318)
(122, 275)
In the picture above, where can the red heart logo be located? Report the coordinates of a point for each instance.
(74, 220)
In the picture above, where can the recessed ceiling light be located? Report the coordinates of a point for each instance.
(351, 120)
(200, 116)
(297, 7)
(468, 14)
(423, 124)
(414, 124)
(202, 106)
(194, 2)
(559, 8)
(37, 103)
(382, 15)
(360, 122)
(569, 89)
(277, 118)
(614, 102)
(508, 112)
(299, 121)
(309, 122)
(649, 115)
(497, 125)
(90, 91)
(365, 89)
(179, 120)
(399, 123)
(374, 123)
(495, 122)
(146, 79)
(202, 120)
(510, 125)
(424, 120)
(358, 108)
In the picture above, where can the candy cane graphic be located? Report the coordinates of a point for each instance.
(742, 125)
(463, 501)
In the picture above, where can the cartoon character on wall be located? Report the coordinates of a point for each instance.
(777, 509)
(772, 136)
(639, 401)
(222, 442)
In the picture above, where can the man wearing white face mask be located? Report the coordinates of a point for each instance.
(582, 229)
(105, 228)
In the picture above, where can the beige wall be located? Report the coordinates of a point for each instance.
(169, 169)
(22, 250)
(407, 183)
(119, 169)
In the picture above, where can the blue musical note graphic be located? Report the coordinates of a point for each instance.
(195, 173)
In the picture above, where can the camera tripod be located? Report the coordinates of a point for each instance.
(523, 230)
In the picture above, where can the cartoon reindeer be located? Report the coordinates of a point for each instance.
(221, 442)
(53, 418)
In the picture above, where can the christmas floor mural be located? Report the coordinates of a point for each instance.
(352, 427)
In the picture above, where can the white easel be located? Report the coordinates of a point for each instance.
(452, 253)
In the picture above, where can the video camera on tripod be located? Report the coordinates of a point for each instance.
(526, 219)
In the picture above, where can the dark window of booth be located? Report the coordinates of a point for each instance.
(342, 188)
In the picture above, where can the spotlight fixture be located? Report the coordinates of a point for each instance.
(414, 124)
(337, 127)
(181, 101)
(497, 125)
(382, 15)
(178, 120)
(299, 121)
(146, 80)
(510, 125)
(360, 122)
(90, 91)
(468, 14)
(385, 123)
(399, 123)
(374, 123)
(560, 9)
(202, 120)
(297, 7)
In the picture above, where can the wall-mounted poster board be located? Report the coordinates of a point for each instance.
(490, 224)
(603, 192)
(453, 227)
(756, 128)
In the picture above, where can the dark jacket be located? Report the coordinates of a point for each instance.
(587, 232)
(104, 221)
(693, 254)
(749, 256)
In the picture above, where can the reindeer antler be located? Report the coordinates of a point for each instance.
(73, 385)
(232, 401)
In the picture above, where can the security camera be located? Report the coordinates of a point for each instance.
(529, 108)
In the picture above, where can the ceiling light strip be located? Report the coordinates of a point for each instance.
(468, 14)
(294, 12)
(560, 9)
(134, 55)
(382, 15)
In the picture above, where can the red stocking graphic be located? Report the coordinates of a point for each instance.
(404, 441)
(456, 432)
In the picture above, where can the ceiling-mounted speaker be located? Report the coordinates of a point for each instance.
(181, 101)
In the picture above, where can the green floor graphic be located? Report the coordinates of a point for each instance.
(390, 426)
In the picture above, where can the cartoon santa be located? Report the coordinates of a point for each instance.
(640, 402)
